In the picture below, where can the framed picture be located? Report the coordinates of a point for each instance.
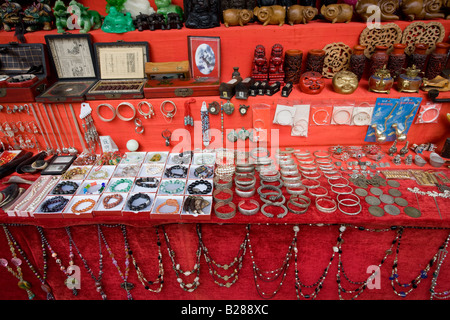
(204, 57)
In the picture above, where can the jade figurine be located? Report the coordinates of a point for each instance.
(117, 22)
(165, 7)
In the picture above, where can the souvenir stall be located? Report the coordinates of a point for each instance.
(218, 150)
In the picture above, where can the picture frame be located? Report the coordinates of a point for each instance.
(204, 57)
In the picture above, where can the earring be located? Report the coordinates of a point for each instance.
(232, 136)
(243, 134)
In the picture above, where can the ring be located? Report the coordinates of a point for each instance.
(110, 107)
(128, 105)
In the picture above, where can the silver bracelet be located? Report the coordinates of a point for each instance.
(227, 215)
(245, 193)
(270, 215)
(248, 212)
(278, 202)
(131, 106)
(265, 183)
(350, 189)
(317, 195)
(326, 209)
(224, 190)
(351, 213)
(271, 197)
(296, 191)
(354, 199)
(239, 182)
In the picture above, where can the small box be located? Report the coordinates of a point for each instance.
(139, 198)
(254, 88)
(101, 211)
(58, 165)
(167, 70)
(173, 88)
(39, 212)
(23, 71)
(273, 88)
(86, 204)
(71, 56)
(242, 89)
(167, 207)
(152, 170)
(92, 187)
(188, 212)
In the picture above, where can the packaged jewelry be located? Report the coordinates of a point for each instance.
(151, 170)
(200, 187)
(203, 158)
(429, 113)
(284, 113)
(126, 171)
(201, 172)
(66, 187)
(301, 120)
(146, 184)
(261, 121)
(50, 205)
(133, 158)
(320, 114)
(172, 187)
(342, 114)
(180, 158)
(76, 173)
(362, 114)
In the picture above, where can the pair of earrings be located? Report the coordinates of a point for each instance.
(242, 134)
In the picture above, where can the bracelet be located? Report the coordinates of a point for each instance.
(222, 182)
(310, 183)
(155, 158)
(300, 201)
(248, 212)
(354, 200)
(242, 180)
(110, 107)
(147, 182)
(54, 204)
(141, 206)
(324, 121)
(321, 154)
(270, 215)
(280, 183)
(182, 158)
(86, 209)
(269, 187)
(153, 169)
(119, 115)
(326, 209)
(245, 193)
(168, 114)
(192, 188)
(169, 203)
(254, 151)
(351, 213)
(150, 112)
(118, 182)
(333, 188)
(195, 205)
(203, 172)
(208, 159)
(224, 171)
(176, 186)
(225, 215)
(74, 173)
(334, 184)
(297, 190)
(281, 201)
(176, 171)
(100, 174)
(87, 188)
(314, 194)
(109, 205)
(269, 176)
(59, 189)
(349, 116)
(227, 191)
(310, 176)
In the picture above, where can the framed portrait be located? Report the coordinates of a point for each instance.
(204, 57)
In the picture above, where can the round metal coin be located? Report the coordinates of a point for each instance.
(376, 191)
(393, 183)
(361, 192)
(376, 211)
(395, 192)
(374, 201)
(385, 198)
(392, 210)
(412, 212)
(401, 202)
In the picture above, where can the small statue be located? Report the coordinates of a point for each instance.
(403, 151)
(156, 21)
(408, 160)
(201, 14)
(38, 16)
(270, 14)
(173, 21)
(141, 22)
(138, 7)
(276, 65)
(10, 15)
(301, 14)
(237, 17)
(387, 9)
(259, 64)
(337, 13)
(116, 22)
(165, 6)
(61, 16)
(397, 160)
(345, 82)
(422, 9)
(87, 19)
(393, 149)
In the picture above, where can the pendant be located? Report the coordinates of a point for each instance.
(127, 286)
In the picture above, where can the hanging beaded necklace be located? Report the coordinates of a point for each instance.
(300, 286)
(67, 271)
(215, 268)
(127, 286)
(189, 287)
(435, 294)
(22, 284)
(159, 278)
(272, 275)
(361, 284)
(423, 274)
(42, 278)
(98, 279)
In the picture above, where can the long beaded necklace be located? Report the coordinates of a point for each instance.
(423, 274)
(300, 286)
(361, 284)
(159, 278)
(127, 286)
(215, 268)
(67, 272)
(189, 287)
(272, 275)
(435, 294)
(42, 278)
(98, 279)
(22, 284)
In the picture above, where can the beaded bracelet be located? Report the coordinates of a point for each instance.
(86, 209)
(193, 190)
(169, 203)
(147, 182)
(87, 188)
(109, 205)
(177, 186)
(59, 189)
(54, 204)
(153, 169)
(141, 206)
(176, 172)
(74, 172)
(208, 159)
(128, 183)
(101, 174)
(203, 172)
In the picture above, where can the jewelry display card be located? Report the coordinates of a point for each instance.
(362, 114)
(342, 115)
(429, 113)
(321, 114)
(384, 109)
(284, 113)
(301, 120)
(402, 118)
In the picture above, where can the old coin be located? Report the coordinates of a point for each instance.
(412, 212)
(393, 183)
(376, 191)
(385, 198)
(361, 192)
(374, 201)
(392, 210)
(395, 192)
(376, 211)
(401, 202)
